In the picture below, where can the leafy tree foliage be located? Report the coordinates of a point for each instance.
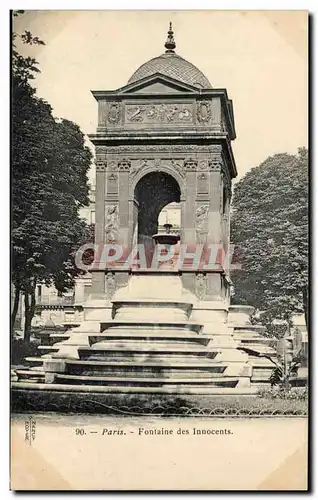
(270, 228)
(49, 184)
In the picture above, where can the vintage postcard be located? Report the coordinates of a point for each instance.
(159, 240)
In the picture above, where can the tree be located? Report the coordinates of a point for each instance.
(270, 229)
(49, 184)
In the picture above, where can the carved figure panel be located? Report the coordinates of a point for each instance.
(158, 113)
(111, 224)
(201, 223)
(201, 217)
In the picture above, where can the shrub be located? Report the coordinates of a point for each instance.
(294, 393)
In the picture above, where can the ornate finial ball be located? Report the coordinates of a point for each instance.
(170, 43)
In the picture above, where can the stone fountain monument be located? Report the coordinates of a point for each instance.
(163, 137)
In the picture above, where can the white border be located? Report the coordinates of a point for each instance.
(5, 148)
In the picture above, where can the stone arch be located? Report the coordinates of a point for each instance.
(153, 191)
(164, 169)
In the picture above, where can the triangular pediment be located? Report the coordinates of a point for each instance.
(157, 84)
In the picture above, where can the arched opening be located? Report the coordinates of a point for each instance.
(153, 192)
(171, 214)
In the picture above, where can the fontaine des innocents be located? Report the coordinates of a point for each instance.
(164, 137)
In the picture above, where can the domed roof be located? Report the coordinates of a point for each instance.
(173, 65)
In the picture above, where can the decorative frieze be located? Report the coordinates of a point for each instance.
(158, 113)
(164, 148)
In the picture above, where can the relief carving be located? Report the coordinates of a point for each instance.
(215, 165)
(113, 177)
(101, 165)
(157, 163)
(124, 165)
(190, 164)
(178, 166)
(201, 217)
(112, 166)
(203, 111)
(178, 148)
(160, 113)
(114, 109)
(201, 220)
(203, 165)
(201, 286)
(137, 165)
(110, 284)
(112, 224)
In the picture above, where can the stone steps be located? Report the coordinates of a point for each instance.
(145, 381)
(151, 325)
(163, 337)
(139, 358)
(65, 388)
(33, 359)
(145, 369)
(32, 375)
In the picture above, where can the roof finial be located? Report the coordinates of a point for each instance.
(170, 43)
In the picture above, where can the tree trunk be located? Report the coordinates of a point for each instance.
(29, 313)
(305, 305)
(15, 306)
(32, 307)
(27, 320)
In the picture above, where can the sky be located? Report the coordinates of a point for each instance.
(260, 57)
